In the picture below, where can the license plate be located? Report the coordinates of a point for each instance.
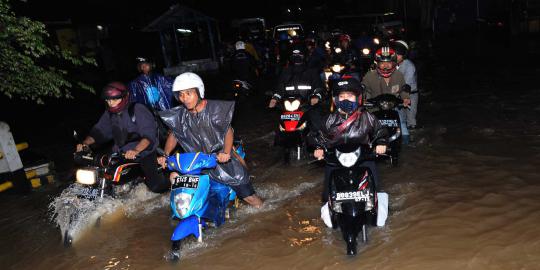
(291, 117)
(186, 181)
(356, 196)
(88, 193)
(388, 123)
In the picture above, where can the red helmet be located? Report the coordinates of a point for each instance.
(386, 54)
(116, 90)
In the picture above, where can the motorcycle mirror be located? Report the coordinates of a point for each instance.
(76, 136)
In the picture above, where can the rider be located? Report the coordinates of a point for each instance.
(151, 89)
(203, 125)
(298, 79)
(349, 123)
(243, 64)
(408, 69)
(384, 80)
(133, 130)
(349, 55)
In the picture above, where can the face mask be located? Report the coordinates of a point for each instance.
(347, 106)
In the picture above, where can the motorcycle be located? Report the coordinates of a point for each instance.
(353, 203)
(195, 198)
(292, 129)
(99, 177)
(388, 117)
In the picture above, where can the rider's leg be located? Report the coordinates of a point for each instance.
(247, 193)
(155, 181)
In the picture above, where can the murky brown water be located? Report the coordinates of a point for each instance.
(464, 197)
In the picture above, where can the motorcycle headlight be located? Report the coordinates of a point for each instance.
(386, 105)
(327, 44)
(182, 202)
(292, 106)
(337, 68)
(86, 176)
(338, 50)
(376, 41)
(348, 159)
(365, 51)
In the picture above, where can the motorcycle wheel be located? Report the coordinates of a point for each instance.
(174, 253)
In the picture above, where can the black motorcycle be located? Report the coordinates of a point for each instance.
(98, 178)
(353, 201)
(384, 108)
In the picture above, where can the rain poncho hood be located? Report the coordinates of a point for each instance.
(205, 132)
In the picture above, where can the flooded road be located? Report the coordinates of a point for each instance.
(465, 196)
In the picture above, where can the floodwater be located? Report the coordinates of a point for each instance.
(465, 196)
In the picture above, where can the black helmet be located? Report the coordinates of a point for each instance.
(298, 54)
(401, 47)
(347, 85)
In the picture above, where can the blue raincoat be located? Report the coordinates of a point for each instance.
(153, 90)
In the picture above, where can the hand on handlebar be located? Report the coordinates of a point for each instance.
(318, 154)
(380, 149)
(223, 157)
(81, 147)
(406, 102)
(162, 161)
(131, 154)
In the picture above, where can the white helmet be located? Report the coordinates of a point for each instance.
(240, 45)
(188, 80)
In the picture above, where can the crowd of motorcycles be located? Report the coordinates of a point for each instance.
(197, 200)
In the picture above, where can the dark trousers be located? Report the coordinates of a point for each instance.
(155, 180)
(328, 172)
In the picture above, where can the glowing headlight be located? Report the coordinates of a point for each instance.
(327, 44)
(182, 202)
(86, 177)
(376, 41)
(337, 68)
(292, 106)
(348, 159)
(338, 50)
(365, 51)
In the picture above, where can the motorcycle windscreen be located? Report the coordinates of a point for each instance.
(191, 163)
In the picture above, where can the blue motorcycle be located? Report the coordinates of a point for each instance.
(195, 198)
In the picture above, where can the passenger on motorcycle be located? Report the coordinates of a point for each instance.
(133, 129)
(384, 80)
(202, 125)
(349, 123)
(408, 69)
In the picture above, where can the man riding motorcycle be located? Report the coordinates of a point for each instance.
(133, 129)
(202, 125)
(349, 123)
(384, 80)
(348, 56)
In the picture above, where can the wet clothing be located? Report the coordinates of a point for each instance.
(126, 129)
(205, 132)
(153, 90)
(375, 84)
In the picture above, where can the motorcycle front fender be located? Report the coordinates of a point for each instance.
(185, 228)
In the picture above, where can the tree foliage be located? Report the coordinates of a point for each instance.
(31, 69)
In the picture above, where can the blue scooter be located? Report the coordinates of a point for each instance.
(195, 198)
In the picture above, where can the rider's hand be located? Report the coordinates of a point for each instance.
(223, 157)
(406, 102)
(172, 176)
(272, 103)
(314, 100)
(162, 161)
(380, 149)
(80, 147)
(131, 154)
(319, 154)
